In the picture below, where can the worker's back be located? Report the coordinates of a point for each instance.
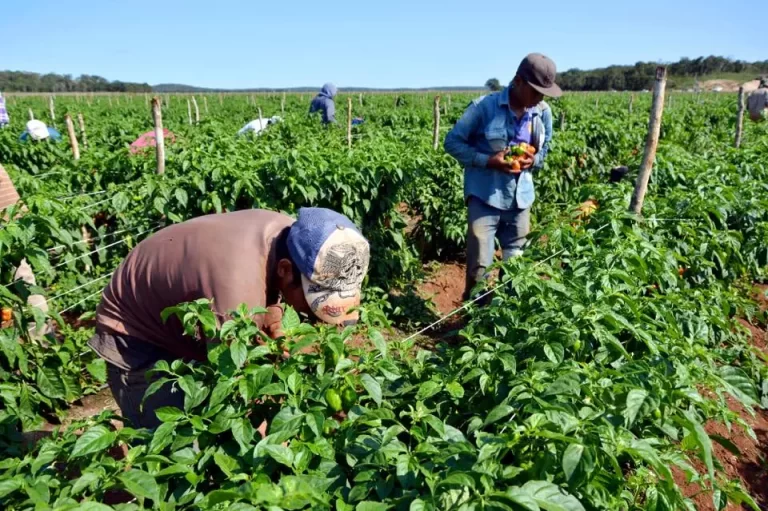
(324, 104)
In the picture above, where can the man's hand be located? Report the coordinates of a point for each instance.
(273, 321)
(497, 162)
(526, 162)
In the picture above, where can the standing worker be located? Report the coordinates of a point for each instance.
(316, 264)
(4, 119)
(499, 193)
(758, 101)
(324, 104)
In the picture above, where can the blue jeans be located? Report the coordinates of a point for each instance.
(487, 223)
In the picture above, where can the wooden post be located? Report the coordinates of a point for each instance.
(562, 120)
(445, 109)
(31, 115)
(117, 98)
(360, 97)
(205, 104)
(167, 101)
(51, 109)
(597, 101)
(221, 99)
(197, 110)
(109, 97)
(261, 119)
(157, 115)
(146, 99)
(449, 100)
(282, 105)
(652, 141)
(189, 112)
(740, 118)
(631, 102)
(349, 123)
(86, 235)
(82, 130)
(436, 131)
(72, 137)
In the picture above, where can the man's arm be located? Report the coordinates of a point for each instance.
(457, 141)
(546, 119)
(330, 111)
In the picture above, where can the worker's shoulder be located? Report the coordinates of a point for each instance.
(491, 99)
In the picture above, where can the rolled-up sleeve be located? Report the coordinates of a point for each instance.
(546, 119)
(457, 142)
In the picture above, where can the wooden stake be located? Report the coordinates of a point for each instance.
(261, 119)
(562, 120)
(86, 235)
(282, 105)
(118, 100)
(445, 109)
(436, 131)
(189, 112)
(349, 123)
(221, 99)
(740, 118)
(205, 104)
(361, 99)
(31, 115)
(167, 101)
(631, 102)
(651, 143)
(157, 116)
(50, 108)
(72, 137)
(197, 110)
(82, 130)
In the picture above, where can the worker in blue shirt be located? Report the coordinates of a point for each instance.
(499, 193)
(324, 103)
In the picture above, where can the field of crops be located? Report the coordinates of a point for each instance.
(621, 369)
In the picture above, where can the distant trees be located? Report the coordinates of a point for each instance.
(493, 84)
(641, 75)
(21, 81)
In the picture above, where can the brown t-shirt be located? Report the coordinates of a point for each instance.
(8, 194)
(228, 258)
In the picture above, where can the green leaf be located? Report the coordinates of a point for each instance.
(98, 369)
(571, 459)
(498, 413)
(140, 484)
(49, 382)
(635, 400)
(93, 506)
(739, 385)
(169, 413)
(162, 437)
(702, 439)
(373, 387)
(182, 197)
(550, 497)
(428, 389)
(378, 341)
(455, 389)
(238, 352)
(47, 454)
(369, 505)
(96, 439)
(87, 480)
(280, 454)
(290, 319)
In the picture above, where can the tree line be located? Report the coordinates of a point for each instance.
(22, 81)
(642, 75)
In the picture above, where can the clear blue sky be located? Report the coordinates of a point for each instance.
(253, 43)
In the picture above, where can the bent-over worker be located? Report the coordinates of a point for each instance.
(757, 104)
(315, 264)
(499, 193)
(259, 125)
(37, 130)
(324, 103)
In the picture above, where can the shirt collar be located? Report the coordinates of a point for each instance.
(504, 102)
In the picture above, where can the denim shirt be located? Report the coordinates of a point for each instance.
(487, 127)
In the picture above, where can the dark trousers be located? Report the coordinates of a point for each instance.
(128, 389)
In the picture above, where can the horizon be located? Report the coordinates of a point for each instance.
(399, 46)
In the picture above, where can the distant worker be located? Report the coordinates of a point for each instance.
(37, 130)
(499, 193)
(4, 119)
(316, 264)
(758, 101)
(324, 104)
(259, 125)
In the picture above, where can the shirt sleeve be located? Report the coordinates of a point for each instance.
(330, 111)
(546, 119)
(457, 142)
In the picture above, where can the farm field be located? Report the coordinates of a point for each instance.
(623, 368)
